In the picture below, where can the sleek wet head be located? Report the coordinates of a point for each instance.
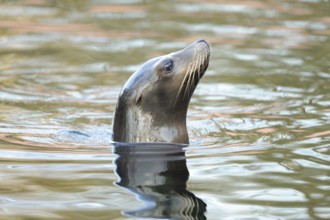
(153, 103)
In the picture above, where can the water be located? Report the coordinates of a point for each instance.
(258, 122)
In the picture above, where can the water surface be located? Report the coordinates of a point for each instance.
(258, 122)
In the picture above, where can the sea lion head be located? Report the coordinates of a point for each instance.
(153, 103)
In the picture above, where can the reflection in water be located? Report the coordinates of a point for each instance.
(157, 174)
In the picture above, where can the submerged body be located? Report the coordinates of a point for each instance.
(152, 106)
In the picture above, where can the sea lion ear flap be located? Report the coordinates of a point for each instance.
(138, 94)
(138, 97)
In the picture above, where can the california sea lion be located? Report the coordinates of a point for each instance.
(152, 106)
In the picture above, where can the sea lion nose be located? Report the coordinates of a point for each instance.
(203, 41)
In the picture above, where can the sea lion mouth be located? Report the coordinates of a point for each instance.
(195, 71)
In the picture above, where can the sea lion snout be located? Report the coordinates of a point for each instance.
(203, 41)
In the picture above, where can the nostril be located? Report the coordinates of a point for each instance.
(202, 41)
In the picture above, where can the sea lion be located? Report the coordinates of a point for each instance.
(152, 106)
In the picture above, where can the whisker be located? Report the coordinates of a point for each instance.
(190, 73)
(187, 84)
(191, 76)
(183, 83)
(186, 77)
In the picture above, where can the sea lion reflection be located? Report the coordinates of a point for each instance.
(157, 174)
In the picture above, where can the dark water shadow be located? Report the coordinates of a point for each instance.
(157, 174)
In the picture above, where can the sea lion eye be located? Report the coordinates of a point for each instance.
(168, 66)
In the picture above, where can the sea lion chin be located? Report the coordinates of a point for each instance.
(152, 106)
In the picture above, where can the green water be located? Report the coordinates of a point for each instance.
(259, 121)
